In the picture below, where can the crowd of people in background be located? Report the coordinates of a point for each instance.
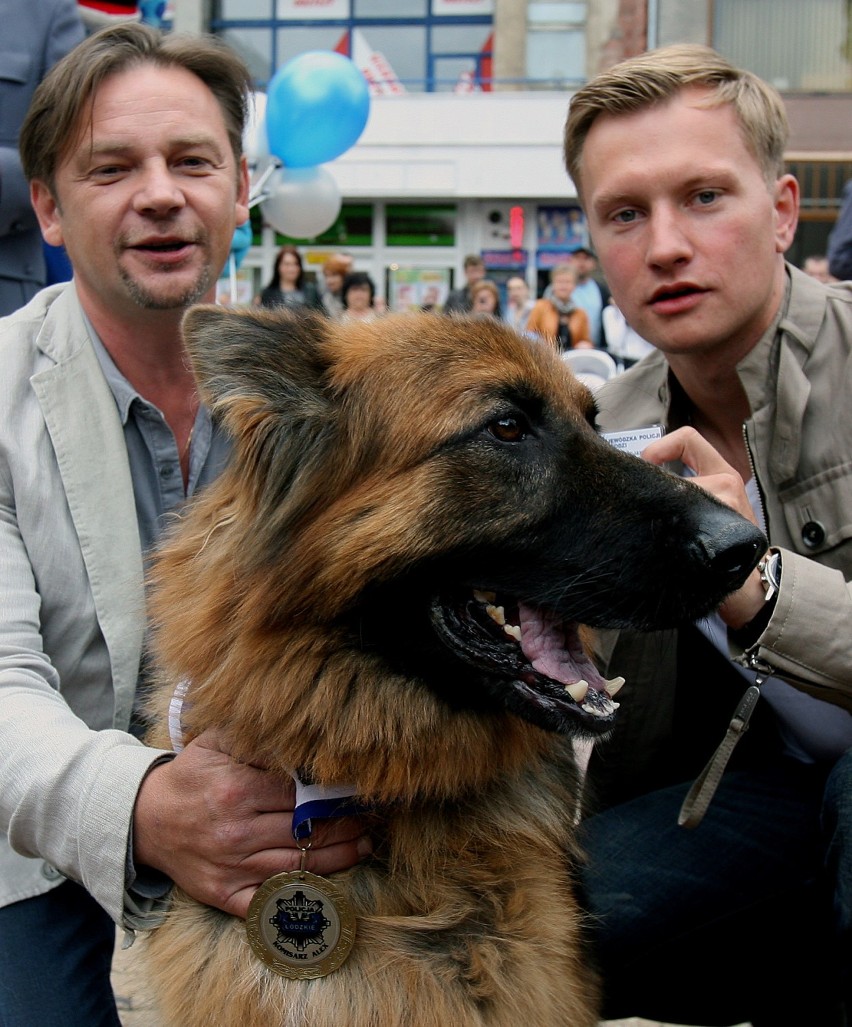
(574, 311)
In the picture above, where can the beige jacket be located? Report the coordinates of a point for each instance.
(71, 616)
(799, 383)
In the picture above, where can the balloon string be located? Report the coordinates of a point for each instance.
(258, 193)
(233, 274)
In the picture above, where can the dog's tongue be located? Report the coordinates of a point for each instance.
(554, 648)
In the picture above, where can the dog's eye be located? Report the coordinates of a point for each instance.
(509, 429)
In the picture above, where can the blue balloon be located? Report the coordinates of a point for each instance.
(241, 242)
(316, 108)
(151, 12)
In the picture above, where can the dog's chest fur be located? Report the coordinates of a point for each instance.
(465, 916)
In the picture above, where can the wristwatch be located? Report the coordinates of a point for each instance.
(770, 574)
(770, 577)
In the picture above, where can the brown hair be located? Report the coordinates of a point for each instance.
(657, 76)
(337, 265)
(485, 286)
(62, 103)
(275, 280)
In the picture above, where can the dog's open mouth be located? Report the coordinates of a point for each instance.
(535, 660)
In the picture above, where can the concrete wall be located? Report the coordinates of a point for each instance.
(478, 145)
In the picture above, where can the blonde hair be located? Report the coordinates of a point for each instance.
(563, 268)
(659, 75)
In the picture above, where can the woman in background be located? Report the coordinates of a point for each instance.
(288, 287)
(359, 296)
(485, 299)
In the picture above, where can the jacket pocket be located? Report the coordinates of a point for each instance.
(15, 66)
(818, 511)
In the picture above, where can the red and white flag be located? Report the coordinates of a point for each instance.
(372, 64)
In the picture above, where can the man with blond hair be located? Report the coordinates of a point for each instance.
(678, 160)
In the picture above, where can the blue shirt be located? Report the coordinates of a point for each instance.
(153, 454)
(588, 296)
(155, 471)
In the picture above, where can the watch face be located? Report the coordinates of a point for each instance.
(770, 574)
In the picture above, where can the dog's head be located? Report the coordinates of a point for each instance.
(434, 491)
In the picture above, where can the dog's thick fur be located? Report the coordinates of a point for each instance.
(319, 600)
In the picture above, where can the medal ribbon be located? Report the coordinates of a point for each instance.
(316, 801)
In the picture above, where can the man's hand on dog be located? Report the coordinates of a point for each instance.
(219, 828)
(716, 476)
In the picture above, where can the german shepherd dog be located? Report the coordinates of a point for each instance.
(386, 587)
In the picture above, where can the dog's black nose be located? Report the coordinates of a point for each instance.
(730, 546)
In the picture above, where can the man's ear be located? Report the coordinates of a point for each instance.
(47, 211)
(786, 212)
(243, 190)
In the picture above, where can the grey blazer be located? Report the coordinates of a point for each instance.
(71, 613)
(35, 36)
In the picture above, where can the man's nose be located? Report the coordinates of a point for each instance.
(668, 238)
(159, 190)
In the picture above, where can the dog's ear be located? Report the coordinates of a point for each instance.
(252, 352)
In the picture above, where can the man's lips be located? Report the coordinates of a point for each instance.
(676, 299)
(162, 250)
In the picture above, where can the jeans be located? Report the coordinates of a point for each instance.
(55, 960)
(730, 921)
(837, 828)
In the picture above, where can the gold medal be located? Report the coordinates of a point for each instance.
(300, 925)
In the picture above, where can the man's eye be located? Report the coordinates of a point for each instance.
(193, 162)
(707, 196)
(625, 217)
(509, 429)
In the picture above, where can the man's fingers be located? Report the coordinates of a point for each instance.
(330, 859)
(688, 447)
(711, 471)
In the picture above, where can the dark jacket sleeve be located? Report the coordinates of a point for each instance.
(840, 240)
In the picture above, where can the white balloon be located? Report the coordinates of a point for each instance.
(255, 141)
(302, 202)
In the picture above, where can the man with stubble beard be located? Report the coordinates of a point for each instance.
(133, 149)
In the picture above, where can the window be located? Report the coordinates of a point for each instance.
(793, 45)
(428, 44)
(556, 42)
(353, 227)
(421, 225)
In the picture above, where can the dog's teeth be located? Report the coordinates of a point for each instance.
(484, 597)
(578, 690)
(607, 705)
(513, 631)
(614, 685)
(604, 708)
(496, 613)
